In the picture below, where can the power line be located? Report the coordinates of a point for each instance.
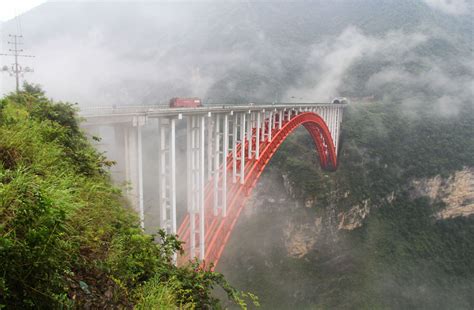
(16, 69)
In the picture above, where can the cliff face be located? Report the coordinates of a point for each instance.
(354, 218)
(455, 191)
(300, 239)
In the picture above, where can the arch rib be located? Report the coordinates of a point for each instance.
(218, 228)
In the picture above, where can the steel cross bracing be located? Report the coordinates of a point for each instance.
(227, 149)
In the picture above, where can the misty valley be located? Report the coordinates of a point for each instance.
(237, 154)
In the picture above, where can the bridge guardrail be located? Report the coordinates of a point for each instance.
(164, 109)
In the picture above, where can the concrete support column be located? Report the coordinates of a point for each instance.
(191, 186)
(242, 147)
(172, 137)
(195, 152)
(325, 115)
(270, 126)
(167, 174)
(329, 112)
(210, 142)
(225, 152)
(340, 112)
(134, 165)
(217, 171)
(201, 189)
(141, 206)
(257, 136)
(249, 134)
(280, 119)
(263, 125)
(234, 147)
(333, 122)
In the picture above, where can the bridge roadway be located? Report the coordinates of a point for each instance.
(227, 149)
(95, 116)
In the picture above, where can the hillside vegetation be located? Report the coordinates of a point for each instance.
(66, 238)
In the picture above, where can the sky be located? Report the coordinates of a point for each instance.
(11, 8)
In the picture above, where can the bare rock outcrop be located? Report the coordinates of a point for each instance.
(299, 239)
(456, 191)
(354, 217)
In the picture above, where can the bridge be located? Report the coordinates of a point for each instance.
(226, 149)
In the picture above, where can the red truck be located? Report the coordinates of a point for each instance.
(185, 103)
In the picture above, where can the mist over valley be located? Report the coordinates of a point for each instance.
(390, 228)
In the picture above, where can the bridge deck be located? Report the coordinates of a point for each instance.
(104, 115)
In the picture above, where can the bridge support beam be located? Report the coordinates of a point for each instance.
(234, 147)
(257, 135)
(242, 148)
(340, 112)
(225, 152)
(195, 167)
(210, 148)
(270, 126)
(216, 171)
(167, 174)
(134, 164)
(249, 134)
(140, 176)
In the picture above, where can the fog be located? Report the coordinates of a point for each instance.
(454, 7)
(414, 53)
(145, 53)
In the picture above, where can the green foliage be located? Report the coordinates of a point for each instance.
(66, 239)
(409, 254)
(155, 295)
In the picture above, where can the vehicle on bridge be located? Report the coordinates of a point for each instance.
(340, 100)
(185, 103)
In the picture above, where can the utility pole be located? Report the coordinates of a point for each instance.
(16, 69)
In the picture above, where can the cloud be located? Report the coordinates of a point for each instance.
(400, 67)
(329, 62)
(453, 7)
(87, 71)
(434, 87)
(227, 62)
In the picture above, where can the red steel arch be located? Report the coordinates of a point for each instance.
(219, 228)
